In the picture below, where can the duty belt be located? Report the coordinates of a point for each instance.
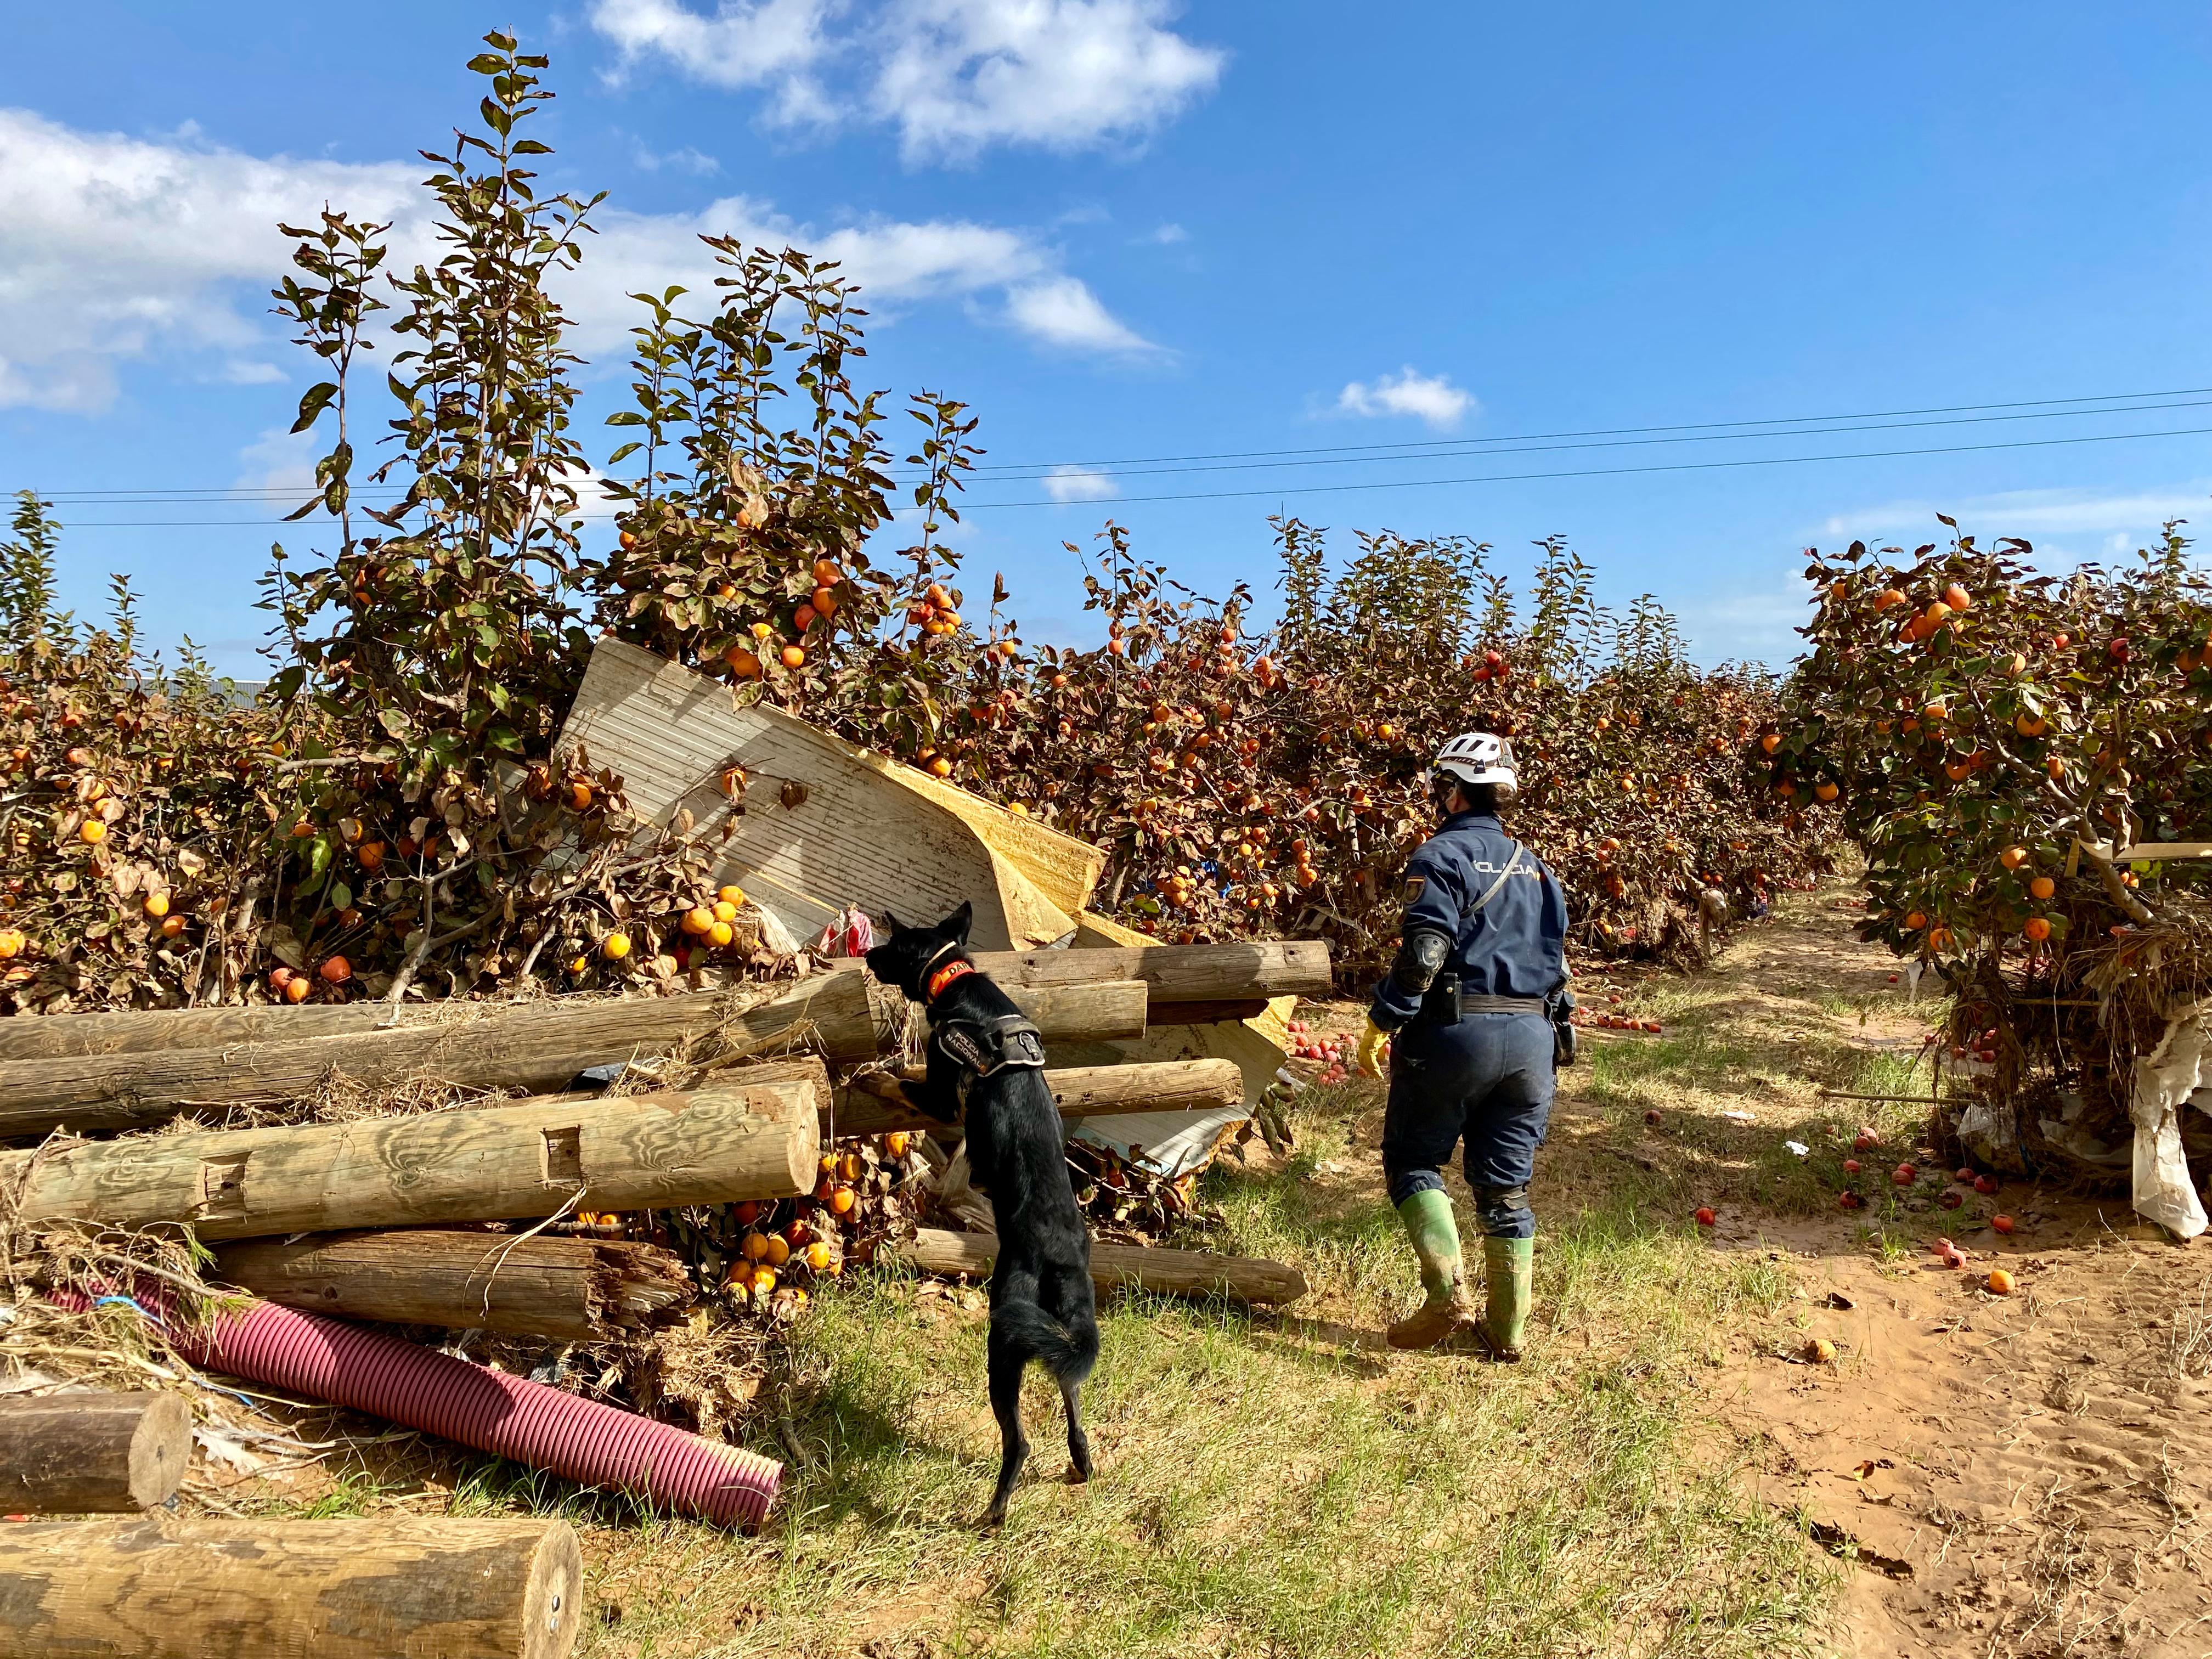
(1447, 1005)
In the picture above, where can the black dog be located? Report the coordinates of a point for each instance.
(984, 1056)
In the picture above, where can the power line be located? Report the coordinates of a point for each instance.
(1629, 443)
(1393, 483)
(1439, 448)
(1616, 472)
(1624, 431)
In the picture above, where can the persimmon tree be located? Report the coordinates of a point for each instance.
(141, 804)
(427, 664)
(1994, 736)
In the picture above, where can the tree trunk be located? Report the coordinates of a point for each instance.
(566, 1289)
(872, 1106)
(1242, 972)
(170, 1589)
(1124, 1267)
(92, 1453)
(532, 1045)
(626, 1153)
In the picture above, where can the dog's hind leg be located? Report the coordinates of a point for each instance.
(1079, 1443)
(1006, 1362)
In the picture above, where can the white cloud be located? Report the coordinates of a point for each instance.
(953, 76)
(1167, 235)
(745, 43)
(242, 370)
(2030, 513)
(1433, 398)
(1062, 311)
(119, 249)
(1079, 484)
(284, 460)
(697, 162)
(962, 74)
(890, 260)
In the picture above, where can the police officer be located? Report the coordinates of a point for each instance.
(1467, 1014)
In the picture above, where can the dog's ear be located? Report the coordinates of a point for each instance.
(960, 921)
(893, 923)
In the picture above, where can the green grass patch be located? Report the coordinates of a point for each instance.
(1273, 1484)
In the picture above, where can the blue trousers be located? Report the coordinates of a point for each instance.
(1488, 1081)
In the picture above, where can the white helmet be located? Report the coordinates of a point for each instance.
(1480, 757)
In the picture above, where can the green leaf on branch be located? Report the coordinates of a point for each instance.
(314, 403)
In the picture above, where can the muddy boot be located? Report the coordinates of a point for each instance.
(1448, 1309)
(1510, 1270)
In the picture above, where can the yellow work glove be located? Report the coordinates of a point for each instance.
(1374, 1050)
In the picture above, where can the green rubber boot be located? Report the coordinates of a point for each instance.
(1448, 1309)
(1510, 1270)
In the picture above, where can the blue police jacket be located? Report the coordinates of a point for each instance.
(1514, 946)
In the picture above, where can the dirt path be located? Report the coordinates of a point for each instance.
(2029, 1475)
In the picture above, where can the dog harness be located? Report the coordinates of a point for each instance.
(983, 1047)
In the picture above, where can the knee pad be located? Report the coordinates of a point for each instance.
(1505, 1211)
(1404, 1183)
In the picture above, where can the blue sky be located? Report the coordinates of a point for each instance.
(1125, 228)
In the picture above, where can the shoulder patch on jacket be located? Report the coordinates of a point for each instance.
(1413, 886)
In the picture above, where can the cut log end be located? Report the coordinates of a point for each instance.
(93, 1454)
(638, 1287)
(160, 1449)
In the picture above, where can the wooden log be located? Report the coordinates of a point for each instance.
(171, 1589)
(1241, 972)
(872, 1106)
(710, 1146)
(530, 1046)
(92, 1453)
(566, 1289)
(1119, 1267)
(1246, 971)
(48, 1037)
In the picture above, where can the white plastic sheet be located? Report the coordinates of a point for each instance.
(2164, 1082)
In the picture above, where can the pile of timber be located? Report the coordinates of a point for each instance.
(432, 1219)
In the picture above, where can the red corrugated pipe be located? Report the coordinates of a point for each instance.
(597, 1445)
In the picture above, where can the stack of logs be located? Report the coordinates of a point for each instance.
(381, 1219)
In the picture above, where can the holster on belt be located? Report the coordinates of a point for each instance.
(1441, 1006)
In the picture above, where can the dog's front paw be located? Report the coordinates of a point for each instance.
(1077, 1474)
(993, 1519)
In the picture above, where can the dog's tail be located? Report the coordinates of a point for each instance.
(1068, 1355)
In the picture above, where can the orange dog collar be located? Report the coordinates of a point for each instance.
(945, 976)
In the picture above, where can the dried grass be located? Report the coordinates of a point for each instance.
(86, 1305)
